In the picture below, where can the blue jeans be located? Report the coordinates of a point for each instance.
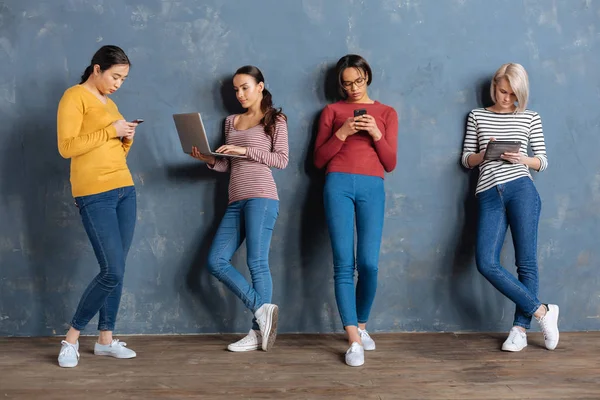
(348, 197)
(109, 220)
(516, 204)
(252, 220)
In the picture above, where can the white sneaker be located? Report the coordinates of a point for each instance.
(115, 349)
(355, 355)
(266, 317)
(516, 341)
(549, 325)
(367, 342)
(69, 354)
(248, 343)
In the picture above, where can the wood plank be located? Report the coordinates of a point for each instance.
(404, 366)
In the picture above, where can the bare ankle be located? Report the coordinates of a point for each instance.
(105, 338)
(353, 335)
(72, 336)
(540, 312)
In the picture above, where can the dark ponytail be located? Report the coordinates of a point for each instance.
(105, 57)
(271, 114)
(86, 74)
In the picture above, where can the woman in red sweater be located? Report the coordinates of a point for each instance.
(356, 141)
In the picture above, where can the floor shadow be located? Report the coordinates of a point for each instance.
(472, 312)
(44, 226)
(484, 98)
(319, 310)
(202, 289)
(228, 100)
(460, 284)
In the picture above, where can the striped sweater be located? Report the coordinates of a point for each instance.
(482, 125)
(251, 177)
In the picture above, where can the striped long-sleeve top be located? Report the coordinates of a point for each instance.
(251, 177)
(483, 125)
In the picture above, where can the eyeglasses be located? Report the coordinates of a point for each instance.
(360, 82)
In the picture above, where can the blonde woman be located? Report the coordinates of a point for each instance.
(507, 197)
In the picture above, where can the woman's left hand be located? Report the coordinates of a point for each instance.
(367, 123)
(514, 158)
(231, 149)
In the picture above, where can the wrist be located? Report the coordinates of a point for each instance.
(340, 135)
(531, 162)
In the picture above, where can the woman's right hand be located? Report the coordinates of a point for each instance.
(477, 158)
(202, 157)
(347, 129)
(124, 128)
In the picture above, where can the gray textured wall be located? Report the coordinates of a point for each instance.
(432, 61)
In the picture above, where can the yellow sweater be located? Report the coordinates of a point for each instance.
(87, 137)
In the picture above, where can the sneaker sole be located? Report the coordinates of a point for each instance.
(557, 331)
(369, 349)
(357, 365)
(513, 350)
(268, 339)
(105, 353)
(242, 349)
(67, 365)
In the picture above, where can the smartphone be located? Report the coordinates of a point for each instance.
(138, 121)
(359, 112)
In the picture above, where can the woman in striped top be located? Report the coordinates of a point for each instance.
(260, 137)
(508, 197)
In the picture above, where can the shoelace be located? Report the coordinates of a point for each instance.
(116, 342)
(544, 327)
(67, 349)
(353, 349)
(514, 334)
(545, 330)
(248, 338)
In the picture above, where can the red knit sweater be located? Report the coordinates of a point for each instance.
(359, 154)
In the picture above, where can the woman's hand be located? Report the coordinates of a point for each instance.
(347, 129)
(207, 159)
(514, 158)
(124, 129)
(231, 149)
(367, 123)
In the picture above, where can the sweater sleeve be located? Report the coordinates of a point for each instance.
(536, 139)
(471, 141)
(387, 146)
(278, 157)
(327, 144)
(69, 119)
(126, 144)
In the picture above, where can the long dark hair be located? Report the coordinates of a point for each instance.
(271, 114)
(105, 57)
(351, 61)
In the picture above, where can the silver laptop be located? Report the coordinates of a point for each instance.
(192, 133)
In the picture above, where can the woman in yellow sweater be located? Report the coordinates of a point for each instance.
(95, 136)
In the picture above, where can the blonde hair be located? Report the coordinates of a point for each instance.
(518, 80)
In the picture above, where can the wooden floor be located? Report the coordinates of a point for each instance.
(404, 366)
